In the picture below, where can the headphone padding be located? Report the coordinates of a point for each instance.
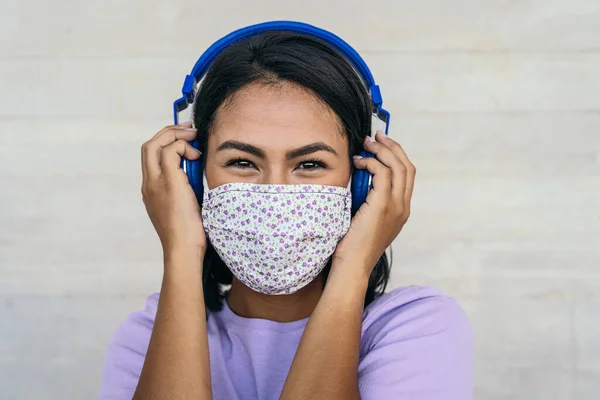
(361, 179)
(194, 173)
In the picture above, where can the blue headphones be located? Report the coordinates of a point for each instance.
(361, 179)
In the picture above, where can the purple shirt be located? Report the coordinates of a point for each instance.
(416, 344)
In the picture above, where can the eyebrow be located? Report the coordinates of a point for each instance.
(241, 146)
(299, 152)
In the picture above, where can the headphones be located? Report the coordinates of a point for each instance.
(361, 179)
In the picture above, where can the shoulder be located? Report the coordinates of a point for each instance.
(126, 351)
(135, 331)
(418, 342)
(414, 309)
(406, 302)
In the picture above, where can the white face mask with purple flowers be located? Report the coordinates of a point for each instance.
(276, 239)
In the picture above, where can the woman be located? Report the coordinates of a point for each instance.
(282, 117)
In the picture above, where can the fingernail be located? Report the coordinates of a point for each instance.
(369, 139)
(357, 157)
(190, 129)
(186, 123)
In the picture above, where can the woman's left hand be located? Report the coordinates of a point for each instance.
(386, 209)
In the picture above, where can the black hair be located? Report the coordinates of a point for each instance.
(272, 58)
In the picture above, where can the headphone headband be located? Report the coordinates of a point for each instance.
(204, 62)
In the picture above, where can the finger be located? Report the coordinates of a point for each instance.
(389, 159)
(168, 136)
(411, 171)
(146, 168)
(151, 150)
(183, 125)
(171, 155)
(382, 175)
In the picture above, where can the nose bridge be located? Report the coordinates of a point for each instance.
(276, 175)
(276, 169)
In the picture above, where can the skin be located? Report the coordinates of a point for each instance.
(266, 125)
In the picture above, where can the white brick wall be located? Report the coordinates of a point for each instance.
(496, 101)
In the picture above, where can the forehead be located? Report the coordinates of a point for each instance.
(277, 117)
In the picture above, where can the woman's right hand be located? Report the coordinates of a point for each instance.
(169, 199)
(175, 369)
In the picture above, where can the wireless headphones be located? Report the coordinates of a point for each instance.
(361, 179)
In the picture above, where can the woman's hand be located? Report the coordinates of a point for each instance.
(326, 366)
(175, 369)
(387, 207)
(169, 199)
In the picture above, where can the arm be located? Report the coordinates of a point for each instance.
(326, 363)
(177, 361)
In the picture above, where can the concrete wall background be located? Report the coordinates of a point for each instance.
(496, 101)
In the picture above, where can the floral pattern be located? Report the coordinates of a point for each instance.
(276, 238)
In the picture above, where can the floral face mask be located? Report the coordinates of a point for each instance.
(276, 238)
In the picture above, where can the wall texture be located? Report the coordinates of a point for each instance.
(496, 101)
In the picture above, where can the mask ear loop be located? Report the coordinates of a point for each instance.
(204, 182)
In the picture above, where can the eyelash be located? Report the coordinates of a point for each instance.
(318, 164)
(237, 163)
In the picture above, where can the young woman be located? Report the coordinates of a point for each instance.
(282, 117)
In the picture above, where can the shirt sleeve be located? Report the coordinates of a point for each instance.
(126, 352)
(417, 345)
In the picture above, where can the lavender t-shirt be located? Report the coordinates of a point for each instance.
(416, 344)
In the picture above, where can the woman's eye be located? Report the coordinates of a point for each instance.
(310, 165)
(240, 163)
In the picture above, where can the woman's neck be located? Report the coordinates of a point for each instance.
(247, 303)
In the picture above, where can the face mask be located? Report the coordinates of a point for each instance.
(276, 239)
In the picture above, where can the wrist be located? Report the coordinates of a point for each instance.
(182, 279)
(344, 290)
(357, 269)
(183, 249)
(183, 257)
(351, 276)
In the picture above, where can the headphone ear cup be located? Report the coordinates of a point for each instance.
(194, 171)
(361, 182)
